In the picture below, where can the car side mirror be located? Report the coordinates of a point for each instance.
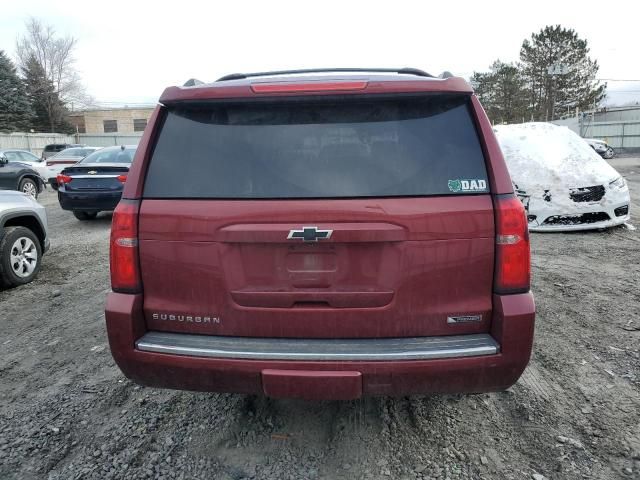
(3, 160)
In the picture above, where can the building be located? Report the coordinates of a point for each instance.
(115, 120)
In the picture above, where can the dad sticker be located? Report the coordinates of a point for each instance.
(469, 185)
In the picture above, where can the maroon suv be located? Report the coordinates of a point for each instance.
(326, 236)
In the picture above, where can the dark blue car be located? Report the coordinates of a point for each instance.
(95, 183)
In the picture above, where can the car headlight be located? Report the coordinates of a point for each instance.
(618, 183)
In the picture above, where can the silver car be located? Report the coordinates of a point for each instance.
(23, 238)
(601, 147)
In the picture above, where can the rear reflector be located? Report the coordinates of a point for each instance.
(122, 178)
(123, 254)
(513, 256)
(307, 87)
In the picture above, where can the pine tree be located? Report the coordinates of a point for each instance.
(503, 92)
(49, 110)
(15, 109)
(560, 73)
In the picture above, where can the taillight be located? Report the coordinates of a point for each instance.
(289, 87)
(62, 179)
(123, 255)
(513, 256)
(122, 178)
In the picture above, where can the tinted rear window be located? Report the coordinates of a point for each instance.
(322, 149)
(110, 155)
(55, 147)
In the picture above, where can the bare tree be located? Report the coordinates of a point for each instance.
(55, 55)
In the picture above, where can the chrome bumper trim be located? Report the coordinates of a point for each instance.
(370, 349)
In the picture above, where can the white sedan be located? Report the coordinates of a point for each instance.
(563, 183)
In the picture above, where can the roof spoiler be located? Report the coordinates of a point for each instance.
(404, 71)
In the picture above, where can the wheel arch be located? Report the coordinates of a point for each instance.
(36, 178)
(27, 220)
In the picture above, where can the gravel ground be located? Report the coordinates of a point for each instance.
(66, 411)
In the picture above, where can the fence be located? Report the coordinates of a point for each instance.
(620, 135)
(619, 127)
(35, 142)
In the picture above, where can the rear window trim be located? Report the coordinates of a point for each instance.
(305, 98)
(324, 199)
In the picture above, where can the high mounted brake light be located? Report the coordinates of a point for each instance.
(288, 87)
(513, 256)
(123, 254)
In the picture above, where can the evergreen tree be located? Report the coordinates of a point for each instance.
(502, 92)
(50, 111)
(15, 109)
(560, 74)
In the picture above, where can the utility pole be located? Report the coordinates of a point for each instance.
(554, 71)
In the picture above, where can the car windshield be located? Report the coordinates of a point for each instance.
(75, 152)
(110, 155)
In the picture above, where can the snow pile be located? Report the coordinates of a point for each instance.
(543, 156)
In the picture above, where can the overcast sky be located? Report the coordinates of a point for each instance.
(128, 51)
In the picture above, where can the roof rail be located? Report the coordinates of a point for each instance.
(406, 71)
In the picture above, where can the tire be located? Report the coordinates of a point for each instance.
(20, 256)
(29, 186)
(609, 153)
(84, 215)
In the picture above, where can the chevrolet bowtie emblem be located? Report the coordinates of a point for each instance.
(92, 172)
(309, 234)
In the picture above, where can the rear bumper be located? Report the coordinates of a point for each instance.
(512, 335)
(95, 201)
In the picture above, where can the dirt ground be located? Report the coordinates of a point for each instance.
(66, 411)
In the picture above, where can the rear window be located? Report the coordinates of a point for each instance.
(55, 147)
(319, 149)
(110, 155)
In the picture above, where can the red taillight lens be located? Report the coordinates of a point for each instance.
(288, 87)
(123, 255)
(62, 179)
(513, 256)
(122, 178)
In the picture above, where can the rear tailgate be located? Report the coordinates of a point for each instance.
(109, 177)
(318, 219)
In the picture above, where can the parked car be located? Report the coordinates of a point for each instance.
(23, 238)
(28, 158)
(601, 147)
(60, 161)
(54, 148)
(327, 236)
(94, 184)
(19, 175)
(562, 182)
